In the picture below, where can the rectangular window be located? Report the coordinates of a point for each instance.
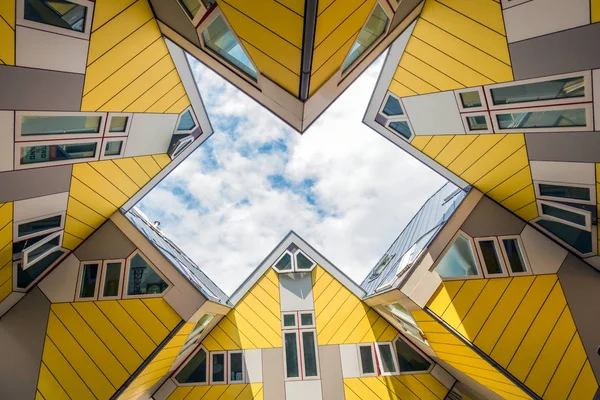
(289, 320)
(477, 123)
(56, 153)
(561, 192)
(42, 248)
(573, 216)
(39, 226)
(387, 362)
(217, 367)
(111, 282)
(61, 14)
(367, 360)
(292, 369)
(514, 255)
(548, 119)
(309, 354)
(307, 320)
(490, 256)
(405, 319)
(118, 124)
(236, 367)
(112, 148)
(59, 126)
(89, 280)
(470, 99)
(572, 87)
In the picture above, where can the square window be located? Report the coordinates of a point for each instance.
(118, 123)
(289, 320)
(477, 123)
(113, 148)
(306, 319)
(470, 99)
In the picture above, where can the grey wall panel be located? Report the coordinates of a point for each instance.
(563, 146)
(29, 183)
(490, 219)
(580, 283)
(406, 6)
(22, 333)
(273, 379)
(37, 89)
(330, 364)
(567, 51)
(295, 292)
(171, 14)
(106, 243)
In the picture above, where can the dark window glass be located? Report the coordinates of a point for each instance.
(392, 107)
(236, 372)
(387, 358)
(186, 122)
(401, 127)
(409, 359)
(26, 277)
(218, 368)
(490, 257)
(306, 319)
(88, 280)
(302, 262)
(477, 123)
(143, 279)
(118, 124)
(549, 90)
(291, 355)
(195, 370)
(39, 251)
(543, 119)
(285, 263)
(577, 238)
(113, 148)
(59, 13)
(514, 255)
(310, 355)
(566, 215)
(565, 192)
(470, 99)
(112, 279)
(30, 228)
(289, 320)
(191, 7)
(57, 152)
(366, 360)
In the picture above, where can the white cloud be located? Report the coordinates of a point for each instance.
(341, 186)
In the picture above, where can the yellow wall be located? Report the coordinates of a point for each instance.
(129, 67)
(595, 4)
(92, 348)
(254, 322)
(418, 386)
(249, 391)
(7, 32)
(6, 233)
(522, 323)
(342, 317)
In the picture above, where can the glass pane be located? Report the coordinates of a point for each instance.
(539, 91)
(195, 370)
(490, 256)
(513, 253)
(191, 6)
(236, 372)
(542, 119)
(477, 123)
(26, 277)
(374, 28)
(201, 324)
(302, 262)
(40, 225)
(382, 264)
(113, 148)
(285, 263)
(218, 367)
(289, 320)
(112, 279)
(186, 122)
(37, 252)
(401, 127)
(575, 237)
(88, 280)
(458, 261)
(59, 13)
(470, 99)
(118, 124)
(409, 359)
(219, 38)
(366, 359)
(565, 192)
(59, 125)
(387, 358)
(143, 279)
(309, 353)
(306, 319)
(291, 355)
(563, 214)
(57, 152)
(392, 107)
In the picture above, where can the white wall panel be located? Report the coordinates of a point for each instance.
(596, 96)
(566, 172)
(7, 137)
(541, 17)
(545, 256)
(45, 50)
(59, 286)
(349, 356)
(165, 390)
(38, 206)
(253, 359)
(443, 376)
(303, 390)
(434, 114)
(295, 292)
(150, 134)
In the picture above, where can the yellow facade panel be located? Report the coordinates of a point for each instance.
(486, 12)
(335, 15)
(296, 6)
(168, 99)
(528, 212)
(5, 273)
(499, 153)
(104, 11)
(145, 319)
(7, 43)
(330, 67)
(346, 328)
(453, 149)
(98, 183)
(49, 387)
(473, 152)
(179, 106)
(362, 331)
(77, 228)
(6, 215)
(437, 145)
(165, 313)
(64, 373)
(518, 200)
(586, 386)
(432, 384)
(7, 12)
(276, 72)
(180, 393)
(595, 10)
(133, 170)
(463, 301)
(109, 170)
(6, 254)
(70, 242)
(420, 142)
(567, 372)
(84, 214)
(505, 175)
(413, 82)
(148, 164)
(442, 298)
(85, 195)
(427, 73)
(400, 90)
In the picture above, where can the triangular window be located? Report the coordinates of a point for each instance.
(409, 359)
(142, 279)
(459, 260)
(219, 38)
(375, 27)
(195, 370)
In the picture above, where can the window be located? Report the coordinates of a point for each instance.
(557, 118)
(38, 226)
(113, 148)
(217, 367)
(307, 319)
(392, 106)
(374, 28)
(56, 125)
(65, 152)
(300, 346)
(409, 359)
(405, 319)
(477, 123)
(514, 255)
(489, 254)
(284, 263)
(60, 15)
(573, 216)
(88, 280)
(367, 360)
(142, 279)
(187, 121)
(382, 264)
(41, 249)
(290, 349)
(401, 127)
(386, 358)
(236, 367)
(195, 370)
(302, 262)
(112, 277)
(196, 333)
(118, 124)
(178, 144)
(310, 366)
(294, 260)
(219, 38)
(28, 277)
(577, 239)
(191, 7)
(565, 192)
(471, 99)
(459, 260)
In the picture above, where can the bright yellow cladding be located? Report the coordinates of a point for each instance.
(6, 233)
(129, 67)
(159, 366)
(398, 387)
(99, 188)
(342, 317)
(254, 322)
(524, 324)
(249, 391)
(7, 32)
(272, 35)
(338, 25)
(595, 4)
(455, 44)
(598, 191)
(92, 348)
(496, 164)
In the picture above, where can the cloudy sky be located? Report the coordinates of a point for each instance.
(341, 186)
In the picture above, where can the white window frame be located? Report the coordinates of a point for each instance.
(418, 350)
(191, 110)
(584, 213)
(484, 114)
(297, 333)
(521, 250)
(380, 359)
(123, 141)
(42, 275)
(482, 97)
(295, 262)
(182, 144)
(103, 279)
(591, 188)
(82, 264)
(294, 268)
(35, 138)
(19, 146)
(587, 81)
(400, 319)
(295, 314)
(228, 375)
(384, 102)
(313, 325)
(398, 119)
(26, 263)
(183, 364)
(194, 337)
(594, 233)
(226, 366)
(126, 281)
(589, 117)
(475, 256)
(498, 256)
(107, 132)
(54, 29)
(371, 346)
(302, 354)
(287, 271)
(16, 225)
